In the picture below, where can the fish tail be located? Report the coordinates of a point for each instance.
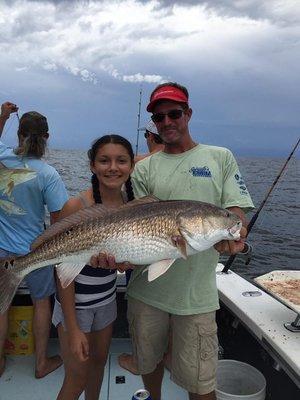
(10, 279)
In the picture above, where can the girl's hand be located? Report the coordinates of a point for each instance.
(79, 345)
(107, 261)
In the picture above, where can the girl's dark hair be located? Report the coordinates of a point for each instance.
(33, 130)
(114, 139)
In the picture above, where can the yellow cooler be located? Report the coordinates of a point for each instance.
(20, 338)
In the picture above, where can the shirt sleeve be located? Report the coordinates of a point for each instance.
(3, 148)
(235, 192)
(139, 179)
(54, 192)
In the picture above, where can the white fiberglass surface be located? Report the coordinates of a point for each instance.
(18, 382)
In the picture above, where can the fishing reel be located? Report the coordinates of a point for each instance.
(246, 253)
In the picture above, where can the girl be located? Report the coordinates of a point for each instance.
(87, 308)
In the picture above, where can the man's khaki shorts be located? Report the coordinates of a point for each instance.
(194, 344)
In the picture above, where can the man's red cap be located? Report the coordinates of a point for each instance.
(167, 93)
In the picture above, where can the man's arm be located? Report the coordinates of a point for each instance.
(54, 216)
(6, 109)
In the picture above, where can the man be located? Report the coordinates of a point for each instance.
(22, 212)
(154, 141)
(185, 297)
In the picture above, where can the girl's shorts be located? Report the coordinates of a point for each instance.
(88, 319)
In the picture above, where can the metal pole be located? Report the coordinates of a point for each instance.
(138, 123)
(255, 216)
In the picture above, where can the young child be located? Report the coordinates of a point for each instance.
(22, 220)
(86, 309)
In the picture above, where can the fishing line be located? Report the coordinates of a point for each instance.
(264, 217)
(255, 216)
(138, 122)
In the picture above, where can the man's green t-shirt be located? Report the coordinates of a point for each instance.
(205, 173)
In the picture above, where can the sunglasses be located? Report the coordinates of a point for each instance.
(172, 114)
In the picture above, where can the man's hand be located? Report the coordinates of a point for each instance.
(107, 261)
(232, 246)
(8, 108)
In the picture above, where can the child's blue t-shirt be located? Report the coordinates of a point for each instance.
(23, 197)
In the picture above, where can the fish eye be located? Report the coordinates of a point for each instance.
(227, 214)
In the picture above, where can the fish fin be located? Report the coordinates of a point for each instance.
(180, 242)
(10, 188)
(9, 282)
(142, 200)
(79, 217)
(157, 269)
(67, 272)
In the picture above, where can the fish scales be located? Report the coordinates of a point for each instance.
(100, 233)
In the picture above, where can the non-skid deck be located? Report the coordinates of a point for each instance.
(18, 382)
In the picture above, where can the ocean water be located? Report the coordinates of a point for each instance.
(275, 236)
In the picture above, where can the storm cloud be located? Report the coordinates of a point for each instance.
(239, 59)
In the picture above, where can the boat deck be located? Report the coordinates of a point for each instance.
(18, 382)
(264, 316)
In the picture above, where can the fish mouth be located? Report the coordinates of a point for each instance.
(234, 231)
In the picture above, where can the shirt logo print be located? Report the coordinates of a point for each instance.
(240, 181)
(201, 171)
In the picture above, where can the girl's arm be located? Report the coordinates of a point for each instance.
(78, 341)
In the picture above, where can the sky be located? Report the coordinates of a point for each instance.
(84, 63)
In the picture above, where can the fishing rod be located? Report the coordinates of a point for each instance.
(255, 216)
(138, 125)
